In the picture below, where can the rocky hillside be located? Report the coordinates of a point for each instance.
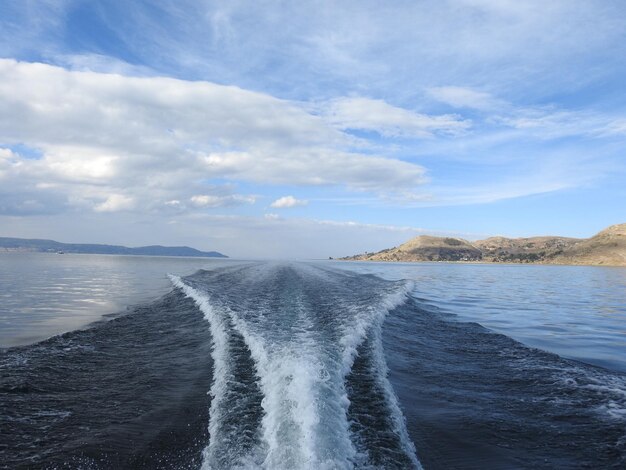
(426, 248)
(524, 250)
(606, 248)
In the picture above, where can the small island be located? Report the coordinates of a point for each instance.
(607, 248)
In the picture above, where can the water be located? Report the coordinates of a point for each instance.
(42, 295)
(320, 365)
(575, 311)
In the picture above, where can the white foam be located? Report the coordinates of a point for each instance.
(290, 379)
(222, 373)
(293, 378)
(370, 320)
(381, 371)
(364, 317)
(305, 404)
(608, 390)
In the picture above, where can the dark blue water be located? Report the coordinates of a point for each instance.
(299, 365)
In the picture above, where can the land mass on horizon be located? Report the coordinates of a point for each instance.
(607, 248)
(51, 246)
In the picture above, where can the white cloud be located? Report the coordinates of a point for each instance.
(617, 127)
(391, 121)
(546, 122)
(101, 63)
(375, 48)
(7, 160)
(5, 153)
(115, 203)
(460, 97)
(303, 51)
(207, 200)
(156, 140)
(288, 201)
(316, 166)
(554, 123)
(153, 139)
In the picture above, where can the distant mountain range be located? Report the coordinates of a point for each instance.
(606, 248)
(51, 246)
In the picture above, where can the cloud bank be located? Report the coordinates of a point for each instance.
(112, 142)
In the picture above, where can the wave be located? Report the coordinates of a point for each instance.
(479, 399)
(127, 393)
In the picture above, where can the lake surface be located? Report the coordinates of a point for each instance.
(309, 365)
(574, 311)
(42, 295)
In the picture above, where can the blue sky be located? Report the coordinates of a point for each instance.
(310, 129)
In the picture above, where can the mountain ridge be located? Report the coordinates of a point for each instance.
(607, 247)
(37, 245)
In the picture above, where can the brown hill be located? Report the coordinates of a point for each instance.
(427, 248)
(606, 248)
(524, 250)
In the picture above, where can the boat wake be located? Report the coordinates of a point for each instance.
(295, 358)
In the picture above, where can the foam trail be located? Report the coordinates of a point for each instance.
(219, 450)
(302, 327)
(380, 371)
(296, 389)
(290, 381)
(355, 332)
(368, 322)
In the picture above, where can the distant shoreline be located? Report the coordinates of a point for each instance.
(27, 245)
(18, 252)
(474, 263)
(606, 248)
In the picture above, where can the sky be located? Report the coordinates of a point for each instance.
(310, 129)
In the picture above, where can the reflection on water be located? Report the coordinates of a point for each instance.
(574, 311)
(45, 294)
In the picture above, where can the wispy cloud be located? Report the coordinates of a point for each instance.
(208, 200)
(304, 51)
(460, 97)
(551, 123)
(390, 121)
(288, 201)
